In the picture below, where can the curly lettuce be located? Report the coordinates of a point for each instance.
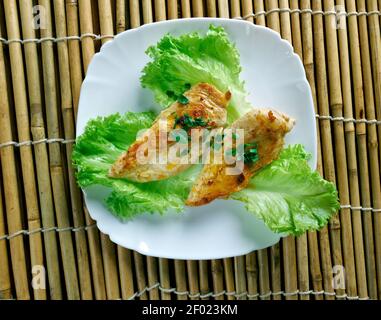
(97, 149)
(288, 196)
(178, 62)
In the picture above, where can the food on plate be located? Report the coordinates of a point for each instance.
(97, 149)
(202, 106)
(287, 194)
(195, 79)
(264, 132)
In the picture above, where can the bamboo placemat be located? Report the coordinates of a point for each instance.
(45, 228)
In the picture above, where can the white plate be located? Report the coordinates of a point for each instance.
(274, 77)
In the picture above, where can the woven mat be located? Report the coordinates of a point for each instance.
(50, 247)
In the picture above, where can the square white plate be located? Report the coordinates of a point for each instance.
(274, 77)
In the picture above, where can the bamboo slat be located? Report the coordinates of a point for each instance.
(351, 159)
(160, 10)
(110, 268)
(185, 9)
(55, 157)
(217, 278)
(229, 277)
(147, 11)
(272, 20)
(88, 50)
(342, 226)
(308, 61)
(69, 133)
(259, 7)
(140, 275)
(374, 35)
(240, 277)
(372, 137)
(211, 8)
(14, 217)
(204, 278)
(41, 154)
(40, 86)
(247, 8)
(197, 8)
(120, 16)
(86, 25)
(164, 273)
(194, 287)
(74, 51)
(181, 281)
(223, 8)
(5, 280)
(301, 241)
(235, 8)
(152, 277)
(375, 45)
(96, 22)
(275, 264)
(264, 276)
(371, 148)
(126, 273)
(172, 9)
(12, 206)
(97, 269)
(326, 140)
(252, 276)
(134, 13)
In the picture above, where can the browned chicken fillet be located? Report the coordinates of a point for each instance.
(205, 103)
(264, 127)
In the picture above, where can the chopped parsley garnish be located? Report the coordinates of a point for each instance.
(170, 93)
(251, 153)
(187, 122)
(182, 99)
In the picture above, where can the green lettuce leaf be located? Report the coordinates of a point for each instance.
(178, 62)
(128, 199)
(103, 140)
(100, 145)
(288, 196)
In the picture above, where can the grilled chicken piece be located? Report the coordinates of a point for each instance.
(206, 107)
(264, 127)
